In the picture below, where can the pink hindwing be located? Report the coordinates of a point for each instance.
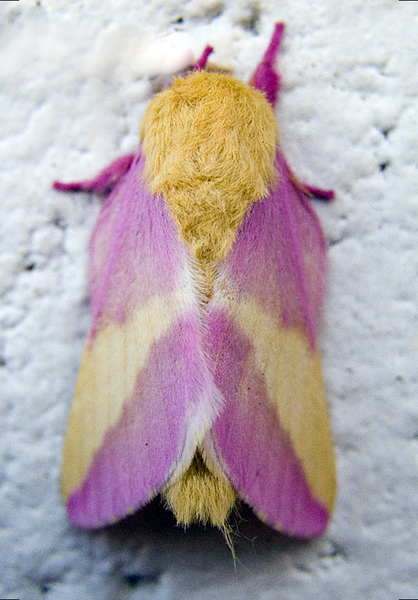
(221, 381)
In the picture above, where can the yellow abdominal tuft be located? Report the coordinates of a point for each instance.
(200, 496)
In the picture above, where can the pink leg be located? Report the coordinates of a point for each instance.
(201, 63)
(310, 190)
(265, 78)
(320, 193)
(105, 180)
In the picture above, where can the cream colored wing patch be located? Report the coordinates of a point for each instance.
(294, 380)
(106, 380)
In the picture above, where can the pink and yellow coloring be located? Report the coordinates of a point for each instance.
(201, 378)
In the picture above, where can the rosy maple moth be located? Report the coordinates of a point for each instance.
(201, 378)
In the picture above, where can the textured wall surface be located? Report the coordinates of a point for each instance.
(73, 91)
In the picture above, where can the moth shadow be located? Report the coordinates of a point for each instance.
(149, 543)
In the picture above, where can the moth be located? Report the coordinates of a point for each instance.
(201, 378)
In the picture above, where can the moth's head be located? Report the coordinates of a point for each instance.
(209, 127)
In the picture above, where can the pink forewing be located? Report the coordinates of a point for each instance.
(277, 261)
(135, 251)
(137, 259)
(252, 446)
(279, 257)
(140, 452)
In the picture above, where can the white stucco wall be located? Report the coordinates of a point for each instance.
(71, 100)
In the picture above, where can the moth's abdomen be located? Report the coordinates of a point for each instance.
(209, 143)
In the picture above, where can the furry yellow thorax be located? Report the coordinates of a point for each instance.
(209, 142)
